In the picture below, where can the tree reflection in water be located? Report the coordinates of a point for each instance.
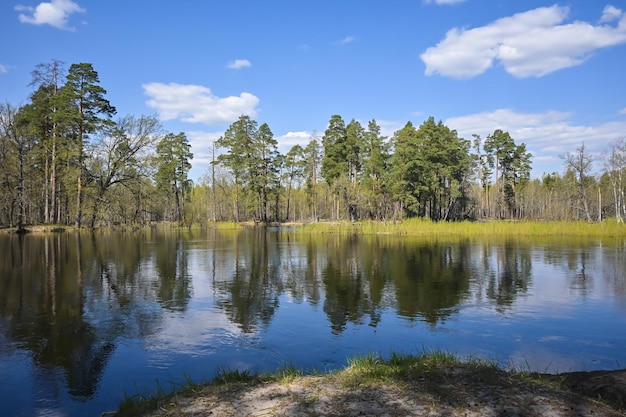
(68, 300)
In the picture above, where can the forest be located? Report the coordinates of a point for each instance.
(66, 158)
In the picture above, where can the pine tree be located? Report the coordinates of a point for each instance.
(173, 165)
(237, 141)
(87, 111)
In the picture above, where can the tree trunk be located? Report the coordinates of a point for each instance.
(79, 181)
(236, 201)
(20, 188)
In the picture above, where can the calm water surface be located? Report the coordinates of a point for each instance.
(86, 319)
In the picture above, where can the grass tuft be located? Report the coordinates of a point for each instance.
(228, 376)
(288, 373)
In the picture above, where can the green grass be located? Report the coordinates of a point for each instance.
(400, 365)
(133, 405)
(432, 370)
(229, 376)
(427, 228)
(499, 228)
(359, 370)
(288, 373)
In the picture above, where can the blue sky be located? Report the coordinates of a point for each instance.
(551, 74)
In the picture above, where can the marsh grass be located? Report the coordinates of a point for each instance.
(502, 228)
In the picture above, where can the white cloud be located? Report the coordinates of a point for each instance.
(389, 127)
(197, 104)
(203, 152)
(547, 135)
(203, 327)
(290, 139)
(202, 147)
(444, 1)
(3, 69)
(54, 13)
(622, 111)
(532, 43)
(303, 137)
(239, 63)
(610, 14)
(347, 40)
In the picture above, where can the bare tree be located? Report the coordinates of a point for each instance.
(580, 162)
(615, 166)
(121, 155)
(13, 132)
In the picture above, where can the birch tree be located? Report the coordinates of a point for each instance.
(580, 163)
(615, 167)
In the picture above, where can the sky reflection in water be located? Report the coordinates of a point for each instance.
(88, 319)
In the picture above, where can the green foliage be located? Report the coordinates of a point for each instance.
(71, 162)
(312, 163)
(252, 158)
(375, 159)
(264, 169)
(512, 167)
(237, 141)
(430, 170)
(294, 164)
(86, 110)
(405, 175)
(173, 165)
(354, 147)
(334, 141)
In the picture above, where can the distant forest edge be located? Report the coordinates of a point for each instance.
(65, 160)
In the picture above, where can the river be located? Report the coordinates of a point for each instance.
(89, 318)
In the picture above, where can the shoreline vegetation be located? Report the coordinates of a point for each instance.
(422, 227)
(409, 227)
(427, 384)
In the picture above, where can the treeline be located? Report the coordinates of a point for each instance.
(64, 159)
(355, 173)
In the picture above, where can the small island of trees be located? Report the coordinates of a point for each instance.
(66, 160)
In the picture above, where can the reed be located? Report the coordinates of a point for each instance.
(501, 228)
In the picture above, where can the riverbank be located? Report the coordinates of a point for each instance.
(409, 227)
(434, 384)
